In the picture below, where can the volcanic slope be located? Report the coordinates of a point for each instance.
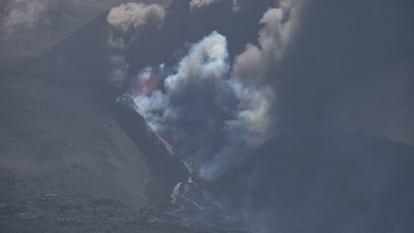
(63, 153)
(24, 39)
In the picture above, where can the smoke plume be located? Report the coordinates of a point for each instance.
(347, 69)
(254, 67)
(126, 20)
(24, 14)
(202, 3)
(196, 4)
(119, 71)
(256, 62)
(210, 115)
(212, 112)
(134, 15)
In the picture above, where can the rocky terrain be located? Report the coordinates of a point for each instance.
(51, 213)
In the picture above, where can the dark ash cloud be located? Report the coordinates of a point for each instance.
(348, 69)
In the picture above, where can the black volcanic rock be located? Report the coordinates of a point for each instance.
(51, 215)
(166, 169)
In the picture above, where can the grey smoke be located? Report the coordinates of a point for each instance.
(126, 20)
(279, 27)
(119, 71)
(197, 4)
(257, 122)
(200, 99)
(24, 14)
(205, 66)
(215, 113)
(201, 3)
(133, 15)
(349, 67)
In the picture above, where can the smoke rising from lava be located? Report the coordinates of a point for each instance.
(126, 20)
(214, 113)
(199, 99)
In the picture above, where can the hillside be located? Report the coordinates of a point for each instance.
(44, 24)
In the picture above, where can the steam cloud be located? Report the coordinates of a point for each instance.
(126, 20)
(255, 121)
(134, 15)
(212, 112)
(119, 71)
(199, 100)
(202, 3)
(205, 3)
(23, 14)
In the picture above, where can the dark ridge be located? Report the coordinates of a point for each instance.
(167, 170)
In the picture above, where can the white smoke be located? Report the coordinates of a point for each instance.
(21, 16)
(206, 64)
(119, 70)
(133, 15)
(24, 14)
(254, 123)
(149, 102)
(207, 60)
(196, 4)
(125, 21)
(213, 112)
(202, 91)
(202, 3)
